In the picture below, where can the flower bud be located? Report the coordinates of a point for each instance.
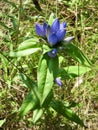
(68, 39)
(58, 81)
(52, 53)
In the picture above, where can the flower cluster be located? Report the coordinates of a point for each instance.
(54, 33)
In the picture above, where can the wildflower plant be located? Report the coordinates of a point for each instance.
(53, 42)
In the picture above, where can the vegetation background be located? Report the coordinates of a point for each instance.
(17, 23)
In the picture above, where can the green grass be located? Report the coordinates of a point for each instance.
(17, 23)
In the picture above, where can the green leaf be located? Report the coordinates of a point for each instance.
(37, 114)
(59, 107)
(47, 72)
(51, 19)
(73, 71)
(28, 82)
(48, 99)
(46, 49)
(30, 43)
(2, 122)
(77, 54)
(23, 52)
(30, 102)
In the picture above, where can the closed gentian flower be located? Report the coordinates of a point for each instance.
(52, 53)
(54, 33)
(57, 32)
(41, 30)
(58, 81)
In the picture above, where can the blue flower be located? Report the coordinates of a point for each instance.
(52, 53)
(54, 33)
(41, 30)
(58, 81)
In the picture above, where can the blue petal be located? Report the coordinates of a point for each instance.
(39, 30)
(52, 39)
(58, 81)
(48, 30)
(52, 53)
(61, 34)
(63, 25)
(45, 27)
(55, 26)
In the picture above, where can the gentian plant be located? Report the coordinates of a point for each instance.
(49, 73)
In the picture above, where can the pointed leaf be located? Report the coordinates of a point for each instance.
(30, 102)
(46, 49)
(48, 100)
(66, 112)
(73, 71)
(30, 43)
(47, 72)
(2, 122)
(37, 114)
(77, 54)
(23, 52)
(28, 82)
(51, 19)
